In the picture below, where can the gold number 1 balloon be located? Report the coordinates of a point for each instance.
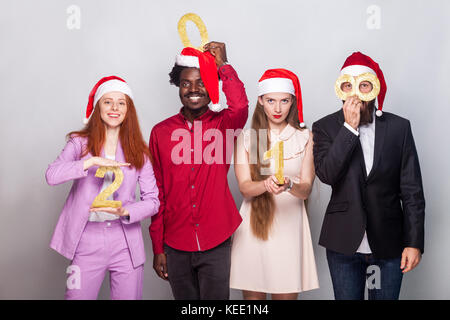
(200, 26)
(100, 200)
(276, 153)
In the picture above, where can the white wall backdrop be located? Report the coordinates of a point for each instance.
(49, 61)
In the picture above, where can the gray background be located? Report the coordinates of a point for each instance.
(48, 70)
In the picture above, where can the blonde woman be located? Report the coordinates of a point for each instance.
(272, 249)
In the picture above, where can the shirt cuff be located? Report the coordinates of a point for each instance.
(158, 248)
(349, 127)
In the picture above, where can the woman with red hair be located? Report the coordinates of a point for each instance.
(108, 238)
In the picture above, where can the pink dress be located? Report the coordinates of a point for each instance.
(285, 262)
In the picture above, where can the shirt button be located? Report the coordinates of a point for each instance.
(192, 186)
(193, 206)
(109, 224)
(196, 224)
(192, 169)
(192, 150)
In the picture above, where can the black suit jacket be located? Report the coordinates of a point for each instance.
(389, 203)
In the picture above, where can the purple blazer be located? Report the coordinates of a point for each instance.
(75, 213)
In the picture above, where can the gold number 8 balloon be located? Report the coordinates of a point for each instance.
(355, 86)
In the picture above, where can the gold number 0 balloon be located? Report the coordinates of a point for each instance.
(200, 26)
(355, 86)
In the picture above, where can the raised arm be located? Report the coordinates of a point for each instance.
(237, 112)
(332, 156)
(235, 116)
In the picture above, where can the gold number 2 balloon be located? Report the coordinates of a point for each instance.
(277, 152)
(355, 86)
(200, 26)
(100, 200)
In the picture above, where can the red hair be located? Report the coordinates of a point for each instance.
(133, 144)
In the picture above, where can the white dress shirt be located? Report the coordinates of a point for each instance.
(366, 135)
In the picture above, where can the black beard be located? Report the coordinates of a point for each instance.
(367, 112)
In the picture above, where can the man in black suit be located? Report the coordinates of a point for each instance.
(375, 218)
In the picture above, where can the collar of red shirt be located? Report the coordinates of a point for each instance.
(204, 116)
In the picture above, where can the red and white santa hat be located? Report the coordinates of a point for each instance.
(205, 61)
(103, 86)
(357, 64)
(282, 80)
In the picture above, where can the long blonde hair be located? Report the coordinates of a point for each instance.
(263, 206)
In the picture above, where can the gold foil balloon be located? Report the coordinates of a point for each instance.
(100, 200)
(355, 86)
(338, 86)
(277, 153)
(375, 86)
(200, 26)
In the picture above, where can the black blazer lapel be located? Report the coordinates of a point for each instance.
(359, 152)
(380, 133)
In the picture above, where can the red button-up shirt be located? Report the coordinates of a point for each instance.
(197, 211)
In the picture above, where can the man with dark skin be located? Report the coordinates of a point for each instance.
(191, 232)
(191, 84)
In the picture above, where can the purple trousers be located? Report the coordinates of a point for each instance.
(103, 248)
